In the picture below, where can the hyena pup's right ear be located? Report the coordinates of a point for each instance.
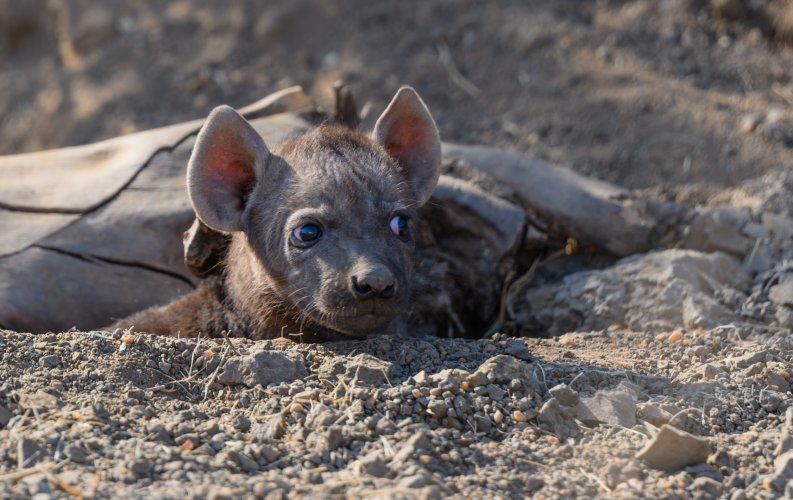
(228, 160)
(408, 133)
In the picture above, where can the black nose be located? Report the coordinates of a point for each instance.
(374, 282)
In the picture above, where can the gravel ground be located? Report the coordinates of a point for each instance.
(689, 412)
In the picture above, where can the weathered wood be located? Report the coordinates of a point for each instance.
(19, 230)
(43, 289)
(79, 179)
(592, 211)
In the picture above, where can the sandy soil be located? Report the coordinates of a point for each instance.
(682, 98)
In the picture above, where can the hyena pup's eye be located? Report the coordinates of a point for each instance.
(399, 226)
(306, 234)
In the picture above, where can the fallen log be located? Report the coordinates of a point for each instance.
(93, 233)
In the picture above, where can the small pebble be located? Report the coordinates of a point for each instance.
(49, 361)
(676, 336)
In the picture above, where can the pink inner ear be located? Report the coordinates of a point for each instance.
(403, 138)
(229, 175)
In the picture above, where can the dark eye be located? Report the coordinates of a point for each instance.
(399, 226)
(306, 234)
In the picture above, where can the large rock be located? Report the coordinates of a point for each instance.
(555, 419)
(503, 369)
(364, 368)
(782, 293)
(263, 367)
(642, 293)
(672, 449)
(614, 407)
(783, 471)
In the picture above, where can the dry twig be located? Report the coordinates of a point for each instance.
(457, 78)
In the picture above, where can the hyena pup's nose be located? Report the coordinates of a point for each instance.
(373, 281)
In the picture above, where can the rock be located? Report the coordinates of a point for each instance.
(783, 471)
(368, 370)
(705, 487)
(709, 371)
(517, 348)
(136, 394)
(262, 367)
(320, 416)
(495, 392)
(75, 453)
(482, 424)
(719, 230)
(641, 293)
(749, 123)
(553, 417)
(269, 453)
(776, 127)
(99, 411)
(192, 437)
(364, 368)
(242, 461)
(29, 453)
(385, 426)
(158, 432)
(781, 226)
(477, 379)
(417, 444)
(748, 359)
(782, 293)
(371, 464)
(653, 414)
(49, 361)
(613, 407)
(140, 466)
(325, 441)
(502, 369)
(438, 408)
(720, 458)
(209, 427)
(39, 401)
(688, 422)
(774, 379)
(784, 317)
(622, 471)
(771, 401)
(420, 378)
(415, 481)
(565, 395)
(672, 449)
(5, 416)
(241, 423)
(448, 379)
(274, 428)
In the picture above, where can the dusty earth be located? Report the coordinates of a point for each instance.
(665, 375)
